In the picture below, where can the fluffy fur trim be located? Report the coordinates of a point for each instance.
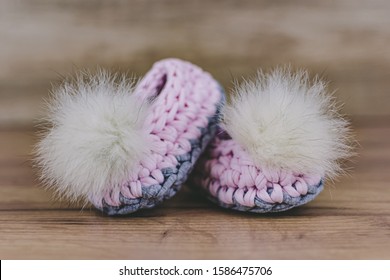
(285, 121)
(94, 136)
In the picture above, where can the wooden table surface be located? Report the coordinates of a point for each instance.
(344, 41)
(350, 219)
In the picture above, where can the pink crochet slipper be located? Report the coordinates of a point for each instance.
(279, 139)
(124, 148)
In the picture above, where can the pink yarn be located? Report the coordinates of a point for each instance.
(228, 173)
(184, 98)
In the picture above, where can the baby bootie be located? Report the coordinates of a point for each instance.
(124, 148)
(279, 139)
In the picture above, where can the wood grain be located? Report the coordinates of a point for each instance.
(350, 219)
(345, 41)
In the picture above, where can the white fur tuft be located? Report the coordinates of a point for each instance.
(284, 121)
(95, 135)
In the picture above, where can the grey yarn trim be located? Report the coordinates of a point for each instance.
(173, 177)
(265, 207)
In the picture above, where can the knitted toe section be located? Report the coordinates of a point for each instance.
(185, 110)
(231, 179)
(173, 178)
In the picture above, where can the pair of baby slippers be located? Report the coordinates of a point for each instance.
(124, 147)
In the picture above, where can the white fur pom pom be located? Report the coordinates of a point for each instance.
(284, 121)
(95, 135)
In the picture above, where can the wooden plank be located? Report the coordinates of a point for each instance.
(345, 41)
(195, 234)
(350, 219)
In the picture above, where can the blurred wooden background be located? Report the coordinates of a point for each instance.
(345, 41)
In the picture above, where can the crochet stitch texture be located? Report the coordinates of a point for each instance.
(185, 111)
(231, 179)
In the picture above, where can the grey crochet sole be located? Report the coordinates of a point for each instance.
(265, 207)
